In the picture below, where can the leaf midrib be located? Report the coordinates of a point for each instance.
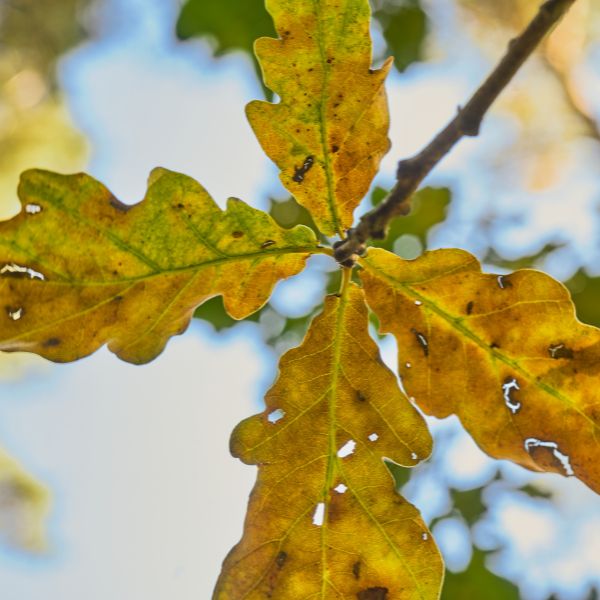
(193, 267)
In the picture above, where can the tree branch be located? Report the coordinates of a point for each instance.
(467, 122)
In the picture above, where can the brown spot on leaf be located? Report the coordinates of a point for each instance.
(356, 569)
(238, 234)
(557, 351)
(470, 307)
(281, 558)
(51, 342)
(373, 593)
(422, 341)
(301, 171)
(360, 397)
(335, 148)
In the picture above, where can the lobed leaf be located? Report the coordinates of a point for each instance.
(505, 353)
(79, 269)
(328, 133)
(324, 519)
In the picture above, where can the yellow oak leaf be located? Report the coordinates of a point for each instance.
(328, 133)
(79, 269)
(324, 520)
(505, 353)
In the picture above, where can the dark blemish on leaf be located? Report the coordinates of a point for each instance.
(51, 343)
(335, 148)
(373, 593)
(470, 307)
(360, 397)
(503, 282)
(557, 351)
(180, 205)
(118, 298)
(371, 71)
(310, 70)
(238, 234)
(422, 340)
(329, 60)
(116, 203)
(267, 243)
(281, 558)
(356, 569)
(494, 345)
(300, 172)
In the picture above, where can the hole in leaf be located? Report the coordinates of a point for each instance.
(347, 449)
(373, 437)
(276, 415)
(510, 384)
(340, 488)
(319, 514)
(33, 209)
(553, 446)
(14, 314)
(14, 270)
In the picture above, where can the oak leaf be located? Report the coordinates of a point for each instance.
(79, 269)
(505, 353)
(329, 131)
(324, 519)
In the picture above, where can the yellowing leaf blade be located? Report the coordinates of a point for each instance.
(79, 269)
(328, 133)
(504, 353)
(323, 519)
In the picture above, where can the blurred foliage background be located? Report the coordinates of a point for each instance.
(552, 144)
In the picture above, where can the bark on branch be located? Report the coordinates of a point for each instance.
(467, 122)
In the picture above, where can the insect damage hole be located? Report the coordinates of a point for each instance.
(319, 515)
(563, 459)
(33, 209)
(510, 384)
(347, 449)
(341, 488)
(373, 437)
(15, 270)
(15, 314)
(276, 415)
(557, 351)
(503, 282)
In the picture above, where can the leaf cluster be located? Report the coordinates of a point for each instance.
(505, 353)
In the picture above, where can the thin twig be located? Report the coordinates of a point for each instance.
(467, 122)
